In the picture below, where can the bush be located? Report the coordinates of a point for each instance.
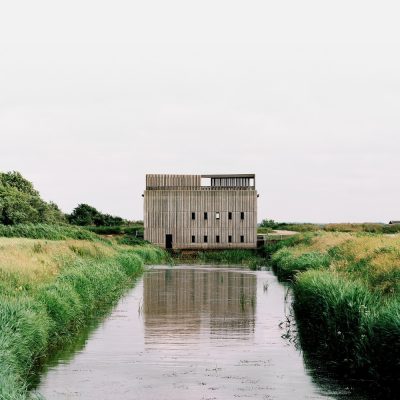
(86, 215)
(131, 240)
(395, 228)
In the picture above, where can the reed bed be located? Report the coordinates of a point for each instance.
(49, 291)
(347, 301)
(46, 231)
(245, 257)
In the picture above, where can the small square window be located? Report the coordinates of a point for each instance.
(193, 215)
(229, 215)
(205, 239)
(242, 215)
(217, 215)
(193, 239)
(217, 239)
(230, 239)
(242, 239)
(205, 215)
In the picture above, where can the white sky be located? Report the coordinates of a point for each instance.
(306, 94)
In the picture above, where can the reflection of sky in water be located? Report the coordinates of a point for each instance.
(190, 333)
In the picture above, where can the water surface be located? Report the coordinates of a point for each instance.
(191, 333)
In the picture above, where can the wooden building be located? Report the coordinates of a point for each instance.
(201, 211)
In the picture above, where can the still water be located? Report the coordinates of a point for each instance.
(191, 333)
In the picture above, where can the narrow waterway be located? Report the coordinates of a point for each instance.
(187, 333)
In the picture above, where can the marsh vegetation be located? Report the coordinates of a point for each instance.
(49, 291)
(347, 295)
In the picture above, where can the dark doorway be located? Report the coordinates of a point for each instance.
(168, 241)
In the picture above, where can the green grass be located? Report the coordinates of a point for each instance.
(36, 318)
(117, 230)
(338, 227)
(356, 329)
(347, 301)
(45, 231)
(246, 257)
(286, 265)
(131, 240)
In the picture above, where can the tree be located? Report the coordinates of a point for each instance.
(86, 215)
(21, 203)
(268, 223)
(83, 215)
(16, 180)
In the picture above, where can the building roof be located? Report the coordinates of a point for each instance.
(214, 181)
(229, 176)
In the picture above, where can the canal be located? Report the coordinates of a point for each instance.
(187, 333)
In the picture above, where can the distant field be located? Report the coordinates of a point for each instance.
(343, 227)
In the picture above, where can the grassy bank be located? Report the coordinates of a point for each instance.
(47, 231)
(269, 226)
(245, 257)
(132, 229)
(51, 289)
(347, 300)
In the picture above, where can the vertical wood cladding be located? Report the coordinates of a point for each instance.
(170, 200)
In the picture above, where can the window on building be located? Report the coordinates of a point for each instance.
(242, 215)
(217, 215)
(193, 239)
(230, 239)
(205, 238)
(205, 215)
(217, 239)
(193, 215)
(242, 239)
(229, 215)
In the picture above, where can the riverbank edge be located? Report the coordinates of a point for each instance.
(340, 322)
(34, 324)
(251, 258)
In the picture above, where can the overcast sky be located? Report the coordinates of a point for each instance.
(306, 94)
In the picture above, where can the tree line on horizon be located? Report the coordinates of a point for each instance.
(20, 203)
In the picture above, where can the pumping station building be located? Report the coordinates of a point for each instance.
(201, 211)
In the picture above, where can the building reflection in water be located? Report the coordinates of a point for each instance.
(181, 303)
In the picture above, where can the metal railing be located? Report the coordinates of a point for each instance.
(200, 188)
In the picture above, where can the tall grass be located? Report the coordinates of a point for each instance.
(39, 317)
(287, 265)
(246, 257)
(351, 326)
(117, 230)
(347, 301)
(45, 231)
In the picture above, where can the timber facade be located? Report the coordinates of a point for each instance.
(201, 211)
